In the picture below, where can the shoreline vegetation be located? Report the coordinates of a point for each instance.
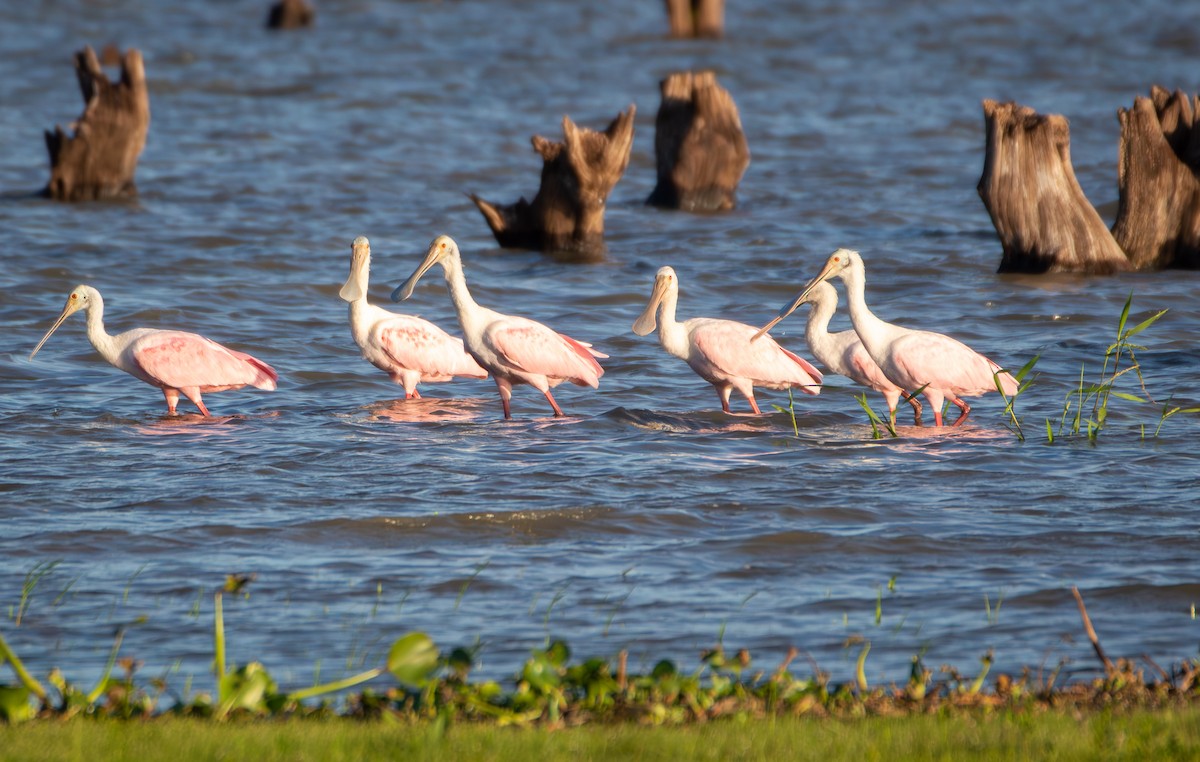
(726, 707)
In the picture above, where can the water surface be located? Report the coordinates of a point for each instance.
(646, 520)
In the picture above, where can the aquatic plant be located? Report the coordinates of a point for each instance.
(1097, 395)
(550, 689)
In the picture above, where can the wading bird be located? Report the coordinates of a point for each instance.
(175, 361)
(515, 350)
(843, 352)
(408, 348)
(720, 351)
(937, 365)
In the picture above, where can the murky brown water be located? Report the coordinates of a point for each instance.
(646, 520)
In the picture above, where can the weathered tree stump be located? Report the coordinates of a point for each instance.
(99, 160)
(696, 18)
(1044, 221)
(290, 14)
(1158, 215)
(567, 214)
(699, 145)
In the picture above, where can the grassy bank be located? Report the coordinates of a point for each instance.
(1162, 734)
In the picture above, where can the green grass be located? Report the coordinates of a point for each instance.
(1161, 735)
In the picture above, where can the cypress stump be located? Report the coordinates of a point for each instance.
(696, 18)
(699, 146)
(567, 214)
(1044, 221)
(290, 14)
(1158, 215)
(99, 160)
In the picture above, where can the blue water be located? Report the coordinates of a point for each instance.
(647, 520)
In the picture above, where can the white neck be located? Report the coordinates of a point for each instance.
(96, 334)
(866, 325)
(816, 332)
(672, 334)
(456, 282)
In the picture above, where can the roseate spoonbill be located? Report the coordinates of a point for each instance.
(515, 350)
(177, 362)
(408, 348)
(720, 351)
(942, 367)
(843, 352)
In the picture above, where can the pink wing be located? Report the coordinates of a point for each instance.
(533, 348)
(946, 363)
(186, 360)
(416, 344)
(865, 371)
(726, 346)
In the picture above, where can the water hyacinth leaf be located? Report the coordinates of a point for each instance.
(460, 661)
(413, 659)
(541, 673)
(14, 704)
(664, 668)
(247, 688)
(558, 653)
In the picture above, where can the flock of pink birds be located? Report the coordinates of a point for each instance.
(897, 362)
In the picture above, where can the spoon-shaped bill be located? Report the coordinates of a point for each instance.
(360, 257)
(405, 289)
(71, 307)
(647, 322)
(808, 287)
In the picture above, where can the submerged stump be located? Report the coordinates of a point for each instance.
(99, 160)
(696, 18)
(699, 146)
(567, 214)
(1044, 221)
(1158, 215)
(290, 14)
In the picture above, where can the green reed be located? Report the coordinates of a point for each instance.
(32, 578)
(1085, 408)
(791, 411)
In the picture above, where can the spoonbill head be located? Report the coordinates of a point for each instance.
(942, 367)
(843, 353)
(409, 349)
(719, 351)
(515, 350)
(177, 362)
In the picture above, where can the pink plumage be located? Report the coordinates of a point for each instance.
(410, 349)
(720, 351)
(177, 362)
(515, 350)
(941, 367)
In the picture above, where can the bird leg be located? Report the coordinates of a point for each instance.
(172, 396)
(505, 395)
(193, 394)
(723, 393)
(964, 407)
(558, 413)
(413, 395)
(753, 404)
(916, 405)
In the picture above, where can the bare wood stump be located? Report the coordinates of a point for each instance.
(1044, 221)
(567, 214)
(699, 145)
(99, 160)
(696, 18)
(290, 14)
(1158, 216)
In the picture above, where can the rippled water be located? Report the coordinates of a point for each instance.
(647, 519)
